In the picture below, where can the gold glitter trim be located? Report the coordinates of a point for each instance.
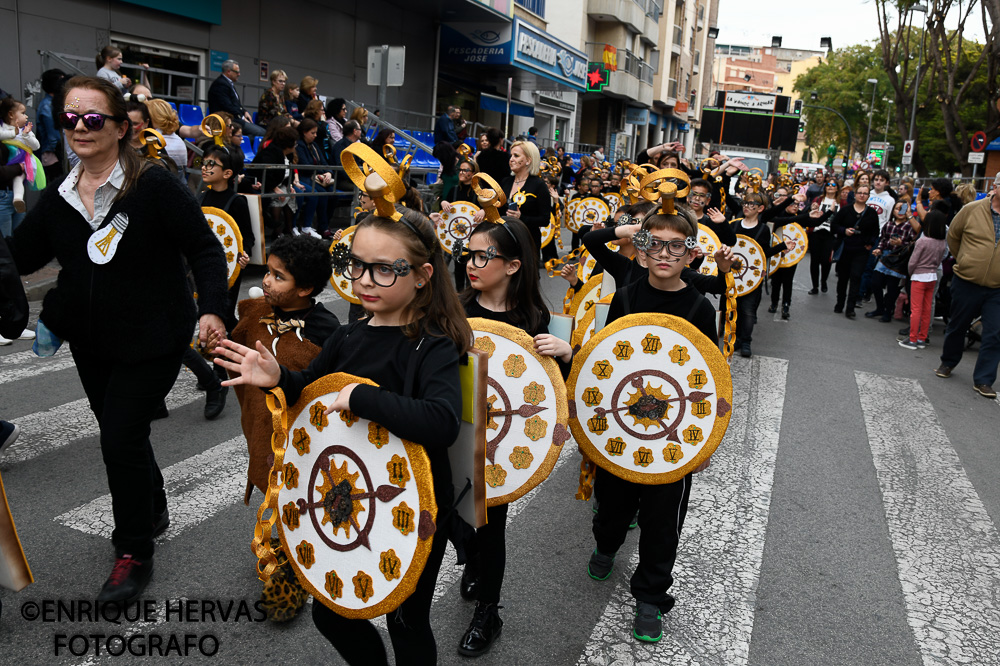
(230, 230)
(420, 471)
(798, 234)
(590, 291)
(344, 287)
(551, 367)
(593, 446)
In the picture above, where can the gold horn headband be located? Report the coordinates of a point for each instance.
(754, 179)
(464, 150)
(665, 185)
(215, 133)
(375, 177)
(490, 198)
(154, 142)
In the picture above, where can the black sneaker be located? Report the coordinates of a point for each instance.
(648, 625)
(486, 627)
(814, 291)
(850, 314)
(9, 433)
(873, 313)
(600, 565)
(823, 289)
(773, 308)
(128, 579)
(838, 308)
(784, 312)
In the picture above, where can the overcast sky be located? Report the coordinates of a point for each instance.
(845, 21)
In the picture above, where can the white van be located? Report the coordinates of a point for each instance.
(807, 168)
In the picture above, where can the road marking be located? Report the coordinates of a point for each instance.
(25, 365)
(197, 489)
(947, 548)
(51, 429)
(722, 545)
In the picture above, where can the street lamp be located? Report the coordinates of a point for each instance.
(826, 43)
(888, 108)
(871, 110)
(775, 42)
(713, 32)
(916, 80)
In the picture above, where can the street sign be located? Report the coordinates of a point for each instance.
(976, 158)
(908, 147)
(388, 73)
(978, 142)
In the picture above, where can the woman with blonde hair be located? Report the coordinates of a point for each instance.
(307, 92)
(360, 114)
(109, 63)
(272, 102)
(528, 196)
(165, 121)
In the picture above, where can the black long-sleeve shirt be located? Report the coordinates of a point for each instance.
(430, 417)
(686, 303)
(865, 225)
(474, 309)
(626, 271)
(537, 207)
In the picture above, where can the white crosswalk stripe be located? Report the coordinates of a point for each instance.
(197, 489)
(25, 365)
(947, 548)
(722, 544)
(48, 430)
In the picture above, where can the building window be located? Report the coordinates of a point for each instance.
(534, 6)
(780, 90)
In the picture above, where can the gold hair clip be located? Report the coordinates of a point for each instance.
(154, 142)
(374, 177)
(215, 133)
(490, 197)
(665, 186)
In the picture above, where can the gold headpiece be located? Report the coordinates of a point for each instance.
(755, 177)
(375, 177)
(402, 168)
(154, 142)
(217, 134)
(630, 185)
(551, 167)
(464, 150)
(707, 166)
(490, 198)
(665, 185)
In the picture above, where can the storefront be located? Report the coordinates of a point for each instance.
(482, 65)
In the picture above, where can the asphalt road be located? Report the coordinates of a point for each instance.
(849, 517)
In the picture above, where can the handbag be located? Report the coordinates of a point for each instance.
(898, 259)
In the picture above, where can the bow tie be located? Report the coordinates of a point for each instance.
(283, 326)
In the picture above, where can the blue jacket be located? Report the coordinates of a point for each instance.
(444, 130)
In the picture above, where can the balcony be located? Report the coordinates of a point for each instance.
(534, 6)
(634, 78)
(636, 15)
(696, 62)
(672, 89)
(678, 40)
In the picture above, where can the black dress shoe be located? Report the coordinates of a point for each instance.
(745, 351)
(838, 308)
(485, 628)
(470, 584)
(215, 401)
(850, 314)
(128, 579)
(161, 411)
(814, 291)
(823, 288)
(784, 312)
(161, 523)
(773, 308)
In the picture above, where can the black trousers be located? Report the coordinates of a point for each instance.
(850, 267)
(746, 314)
(781, 284)
(885, 288)
(124, 397)
(820, 249)
(359, 642)
(487, 554)
(661, 516)
(206, 374)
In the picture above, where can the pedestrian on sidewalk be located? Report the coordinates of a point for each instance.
(974, 241)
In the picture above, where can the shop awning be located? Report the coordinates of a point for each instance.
(499, 104)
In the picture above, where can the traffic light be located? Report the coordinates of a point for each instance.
(798, 107)
(844, 163)
(802, 127)
(557, 134)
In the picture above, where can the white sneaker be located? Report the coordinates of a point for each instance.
(296, 231)
(312, 232)
(27, 334)
(4, 341)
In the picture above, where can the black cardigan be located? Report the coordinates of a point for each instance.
(138, 305)
(536, 210)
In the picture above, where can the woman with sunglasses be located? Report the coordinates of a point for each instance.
(122, 232)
